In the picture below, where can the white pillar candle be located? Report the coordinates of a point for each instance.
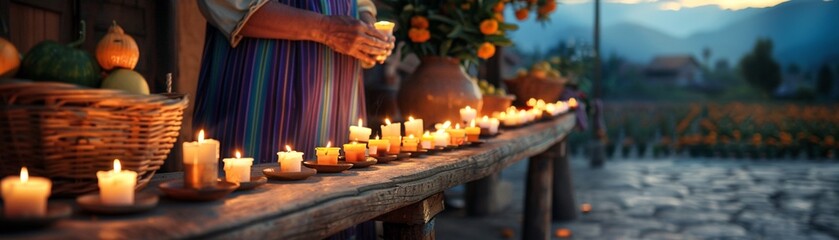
(289, 160)
(237, 170)
(468, 114)
(25, 196)
(441, 138)
(493, 125)
(427, 141)
(200, 160)
(360, 133)
(391, 129)
(116, 187)
(413, 126)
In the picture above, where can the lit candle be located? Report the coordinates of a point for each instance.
(473, 132)
(413, 126)
(382, 146)
(509, 120)
(395, 142)
(327, 155)
(427, 141)
(524, 117)
(237, 170)
(458, 135)
(386, 28)
(572, 103)
(443, 126)
(201, 162)
(536, 113)
(561, 107)
(551, 109)
(540, 104)
(493, 125)
(360, 133)
(355, 152)
(25, 196)
(289, 160)
(116, 187)
(391, 129)
(441, 138)
(531, 102)
(410, 143)
(467, 114)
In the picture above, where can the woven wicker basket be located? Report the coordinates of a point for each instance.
(67, 133)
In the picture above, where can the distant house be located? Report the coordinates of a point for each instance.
(678, 70)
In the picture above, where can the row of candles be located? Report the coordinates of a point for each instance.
(26, 196)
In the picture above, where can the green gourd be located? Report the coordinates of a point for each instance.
(51, 61)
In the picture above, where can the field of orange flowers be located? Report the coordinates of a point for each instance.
(728, 130)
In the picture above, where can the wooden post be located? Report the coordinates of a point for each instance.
(415, 221)
(480, 196)
(537, 199)
(563, 206)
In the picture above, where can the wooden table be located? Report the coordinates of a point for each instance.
(404, 194)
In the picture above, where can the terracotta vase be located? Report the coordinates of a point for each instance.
(437, 90)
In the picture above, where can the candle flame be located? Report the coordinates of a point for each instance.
(24, 175)
(410, 118)
(531, 102)
(411, 136)
(238, 154)
(457, 126)
(201, 136)
(472, 123)
(377, 137)
(359, 122)
(387, 121)
(288, 148)
(117, 166)
(427, 133)
(467, 107)
(572, 102)
(329, 144)
(447, 124)
(486, 118)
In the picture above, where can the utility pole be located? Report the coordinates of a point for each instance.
(599, 133)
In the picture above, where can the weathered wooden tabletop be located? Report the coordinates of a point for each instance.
(319, 206)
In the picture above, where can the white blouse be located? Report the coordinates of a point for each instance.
(230, 16)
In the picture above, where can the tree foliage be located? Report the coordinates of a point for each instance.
(760, 69)
(825, 80)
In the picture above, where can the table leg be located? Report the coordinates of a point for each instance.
(537, 199)
(563, 206)
(415, 221)
(480, 195)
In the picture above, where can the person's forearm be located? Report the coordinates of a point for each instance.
(275, 20)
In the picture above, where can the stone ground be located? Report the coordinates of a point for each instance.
(677, 199)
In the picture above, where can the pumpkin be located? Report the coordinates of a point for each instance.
(9, 58)
(51, 61)
(117, 49)
(126, 80)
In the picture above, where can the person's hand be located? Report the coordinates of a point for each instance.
(353, 37)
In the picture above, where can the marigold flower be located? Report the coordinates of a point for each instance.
(419, 22)
(419, 35)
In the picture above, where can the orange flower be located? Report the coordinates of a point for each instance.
(486, 50)
(465, 6)
(489, 26)
(418, 35)
(521, 14)
(499, 17)
(419, 22)
(499, 7)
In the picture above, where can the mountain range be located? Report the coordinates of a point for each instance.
(805, 32)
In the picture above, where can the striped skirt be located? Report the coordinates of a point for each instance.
(266, 93)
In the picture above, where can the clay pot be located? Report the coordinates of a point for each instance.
(494, 103)
(437, 90)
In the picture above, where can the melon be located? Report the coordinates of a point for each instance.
(51, 61)
(126, 80)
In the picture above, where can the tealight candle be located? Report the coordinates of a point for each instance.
(237, 170)
(25, 196)
(531, 102)
(382, 146)
(395, 142)
(201, 162)
(458, 135)
(468, 114)
(561, 107)
(551, 109)
(572, 103)
(413, 126)
(410, 143)
(327, 155)
(540, 104)
(289, 160)
(509, 120)
(427, 141)
(355, 152)
(524, 117)
(386, 28)
(473, 133)
(360, 133)
(116, 187)
(441, 138)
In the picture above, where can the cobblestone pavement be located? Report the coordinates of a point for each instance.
(679, 199)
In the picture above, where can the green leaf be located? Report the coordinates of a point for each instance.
(444, 48)
(441, 18)
(508, 26)
(455, 32)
